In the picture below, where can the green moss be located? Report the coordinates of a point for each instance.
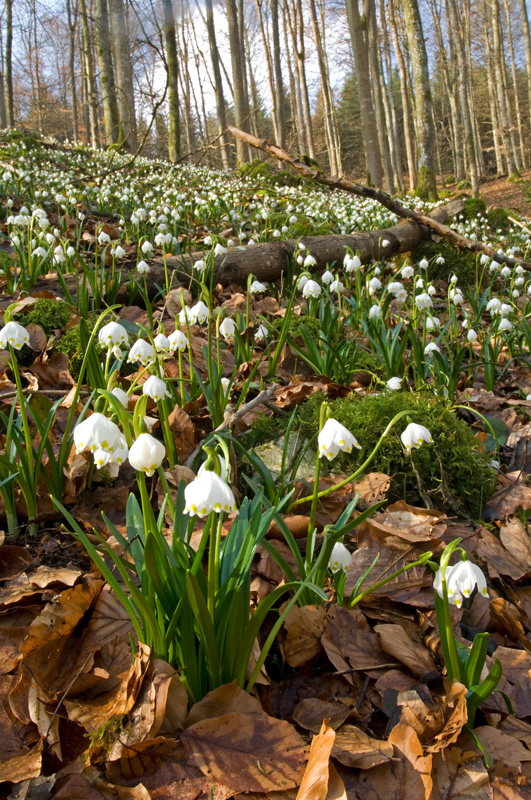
(49, 314)
(475, 206)
(255, 169)
(464, 185)
(426, 187)
(452, 469)
(456, 260)
(105, 737)
(498, 218)
(70, 344)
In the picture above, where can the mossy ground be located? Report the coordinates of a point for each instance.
(452, 469)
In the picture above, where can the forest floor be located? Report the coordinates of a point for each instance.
(504, 193)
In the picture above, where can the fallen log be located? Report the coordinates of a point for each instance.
(269, 260)
(376, 194)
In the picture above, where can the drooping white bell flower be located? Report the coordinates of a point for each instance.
(375, 312)
(335, 437)
(121, 452)
(257, 288)
(407, 272)
(146, 454)
(142, 268)
(225, 385)
(327, 277)
(97, 432)
(351, 264)
(101, 458)
(310, 261)
(505, 325)
(178, 341)
(303, 280)
(13, 334)
(223, 468)
(431, 348)
(155, 388)
(208, 492)
(141, 351)
(461, 579)
(227, 328)
(423, 301)
(340, 558)
(423, 263)
(471, 335)
(394, 384)
(200, 265)
(219, 250)
(311, 289)
(261, 333)
(162, 344)
(336, 287)
(122, 396)
(199, 313)
(112, 335)
(414, 435)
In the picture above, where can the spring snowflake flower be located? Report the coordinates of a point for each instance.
(97, 432)
(103, 238)
(200, 265)
(147, 248)
(340, 558)
(471, 335)
(122, 396)
(351, 263)
(311, 289)
(219, 250)
(394, 384)
(461, 580)
(407, 272)
(199, 313)
(261, 333)
(141, 351)
(206, 493)
(257, 288)
(336, 287)
(225, 385)
(178, 341)
(112, 335)
(505, 325)
(374, 285)
(375, 312)
(335, 437)
(142, 268)
(155, 388)
(13, 334)
(414, 435)
(327, 277)
(162, 344)
(146, 454)
(431, 348)
(424, 263)
(423, 301)
(303, 280)
(227, 328)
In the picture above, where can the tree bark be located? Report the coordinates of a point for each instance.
(109, 104)
(172, 66)
(124, 73)
(9, 65)
(92, 97)
(426, 177)
(241, 107)
(72, 20)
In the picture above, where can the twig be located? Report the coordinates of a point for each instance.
(375, 194)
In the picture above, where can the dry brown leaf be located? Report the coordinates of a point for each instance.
(221, 701)
(183, 432)
(409, 522)
(499, 560)
(518, 728)
(416, 773)
(37, 338)
(304, 627)
(395, 641)
(459, 775)
(311, 712)
(507, 500)
(13, 560)
(503, 748)
(354, 748)
(350, 643)
(314, 784)
(53, 372)
(248, 752)
(455, 715)
(22, 767)
(372, 488)
(516, 540)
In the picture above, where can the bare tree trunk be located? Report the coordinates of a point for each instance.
(279, 100)
(494, 110)
(500, 89)
(90, 76)
(334, 154)
(254, 105)
(409, 129)
(426, 177)
(369, 13)
(108, 91)
(515, 86)
(72, 21)
(124, 73)
(368, 117)
(389, 105)
(296, 25)
(9, 65)
(218, 83)
(241, 106)
(295, 99)
(172, 67)
(527, 44)
(269, 64)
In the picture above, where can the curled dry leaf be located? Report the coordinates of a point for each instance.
(372, 488)
(183, 432)
(460, 775)
(350, 643)
(304, 627)
(439, 723)
(314, 784)
(248, 752)
(515, 539)
(499, 561)
(409, 522)
(13, 560)
(354, 748)
(311, 712)
(504, 749)
(395, 641)
(37, 338)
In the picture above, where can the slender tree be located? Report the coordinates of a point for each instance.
(172, 68)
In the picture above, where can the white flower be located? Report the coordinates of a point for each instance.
(178, 341)
(121, 452)
(208, 240)
(303, 280)
(505, 325)
(311, 289)
(112, 335)
(227, 328)
(394, 384)
(199, 312)
(208, 492)
(494, 306)
(407, 272)
(200, 266)
(333, 438)
(14, 334)
(375, 312)
(461, 580)
(96, 433)
(327, 277)
(122, 396)
(142, 268)
(471, 335)
(505, 309)
(310, 261)
(162, 343)
(225, 384)
(424, 263)
(414, 435)
(423, 301)
(219, 250)
(374, 284)
(351, 263)
(101, 458)
(432, 291)
(336, 287)
(395, 287)
(385, 242)
(147, 248)
(155, 388)
(340, 558)
(257, 288)
(146, 454)
(261, 333)
(141, 351)
(439, 260)
(119, 252)
(186, 315)
(431, 348)
(222, 464)
(103, 238)
(506, 271)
